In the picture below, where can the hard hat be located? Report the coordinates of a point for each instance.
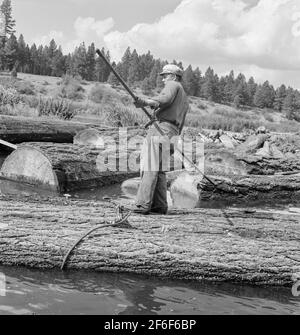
(172, 69)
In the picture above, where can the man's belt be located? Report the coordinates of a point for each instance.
(174, 123)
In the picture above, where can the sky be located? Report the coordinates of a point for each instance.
(260, 38)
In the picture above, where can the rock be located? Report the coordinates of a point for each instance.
(228, 142)
(265, 151)
(261, 130)
(253, 143)
(275, 152)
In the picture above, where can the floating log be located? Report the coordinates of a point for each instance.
(65, 167)
(190, 190)
(225, 161)
(17, 129)
(97, 138)
(234, 245)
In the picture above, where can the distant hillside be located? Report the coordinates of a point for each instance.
(46, 96)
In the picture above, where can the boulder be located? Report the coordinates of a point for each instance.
(253, 143)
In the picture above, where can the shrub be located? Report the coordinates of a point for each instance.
(201, 105)
(120, 115)
(103, 94)
(70, 88)
(25, 87)
(19, 109)
(31, 100)
(56, 107)
(9, 96)
(215, 121)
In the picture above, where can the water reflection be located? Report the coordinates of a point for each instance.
(54, 292)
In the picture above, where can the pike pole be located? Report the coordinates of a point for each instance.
(153, 121)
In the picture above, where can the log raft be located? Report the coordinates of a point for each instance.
(69, 167)
(233, 245)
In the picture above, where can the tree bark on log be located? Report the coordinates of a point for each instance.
(66, 167)
(225, 161)
(233, 245)
(25, 129)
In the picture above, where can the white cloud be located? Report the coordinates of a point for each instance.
(86, 30)
(85, 26)
(224, 34)
(260, 40)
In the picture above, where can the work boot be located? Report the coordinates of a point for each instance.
(161, 211)
(137, 209)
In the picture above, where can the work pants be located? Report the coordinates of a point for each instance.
(155, 161)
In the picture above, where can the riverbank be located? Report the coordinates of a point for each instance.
(220, 245)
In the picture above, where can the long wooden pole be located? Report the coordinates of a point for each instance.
(7, 144)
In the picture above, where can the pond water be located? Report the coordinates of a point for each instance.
(24, 291)
(115, 192)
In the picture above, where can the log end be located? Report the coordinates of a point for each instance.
(89, 137)
(31, 166)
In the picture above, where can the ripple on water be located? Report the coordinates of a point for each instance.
(53, 292)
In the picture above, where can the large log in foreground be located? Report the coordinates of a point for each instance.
(65, 167)
(26, 129)
(234, 245)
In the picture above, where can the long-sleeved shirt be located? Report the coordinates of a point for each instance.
(173, 104)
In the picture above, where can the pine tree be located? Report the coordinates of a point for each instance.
(11, 52)
(229, 87)
(22, 54)
(100, 68)
(40, 59)
(280, 95)
(80, 61)
(291, 105)
(69, 64)
(125, 64)
(146, 86)
(154, 74)
(91, 62)
(133, 70)
(222, 84)
(58, 64)
(198, 82)
(112, 79)
(33, 60)
(189, 81)
(146, 63)
(45, 62)
(26, 68)
(251, 90)
(10, 23)
(240, 96)
(210, 89)
(52, 49)
(264, 96)
(106, 71)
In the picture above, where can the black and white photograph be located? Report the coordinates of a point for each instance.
(149, 160)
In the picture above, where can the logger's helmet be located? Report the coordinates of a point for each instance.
(172, 69)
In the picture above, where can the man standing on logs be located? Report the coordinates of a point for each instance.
(171, 107)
